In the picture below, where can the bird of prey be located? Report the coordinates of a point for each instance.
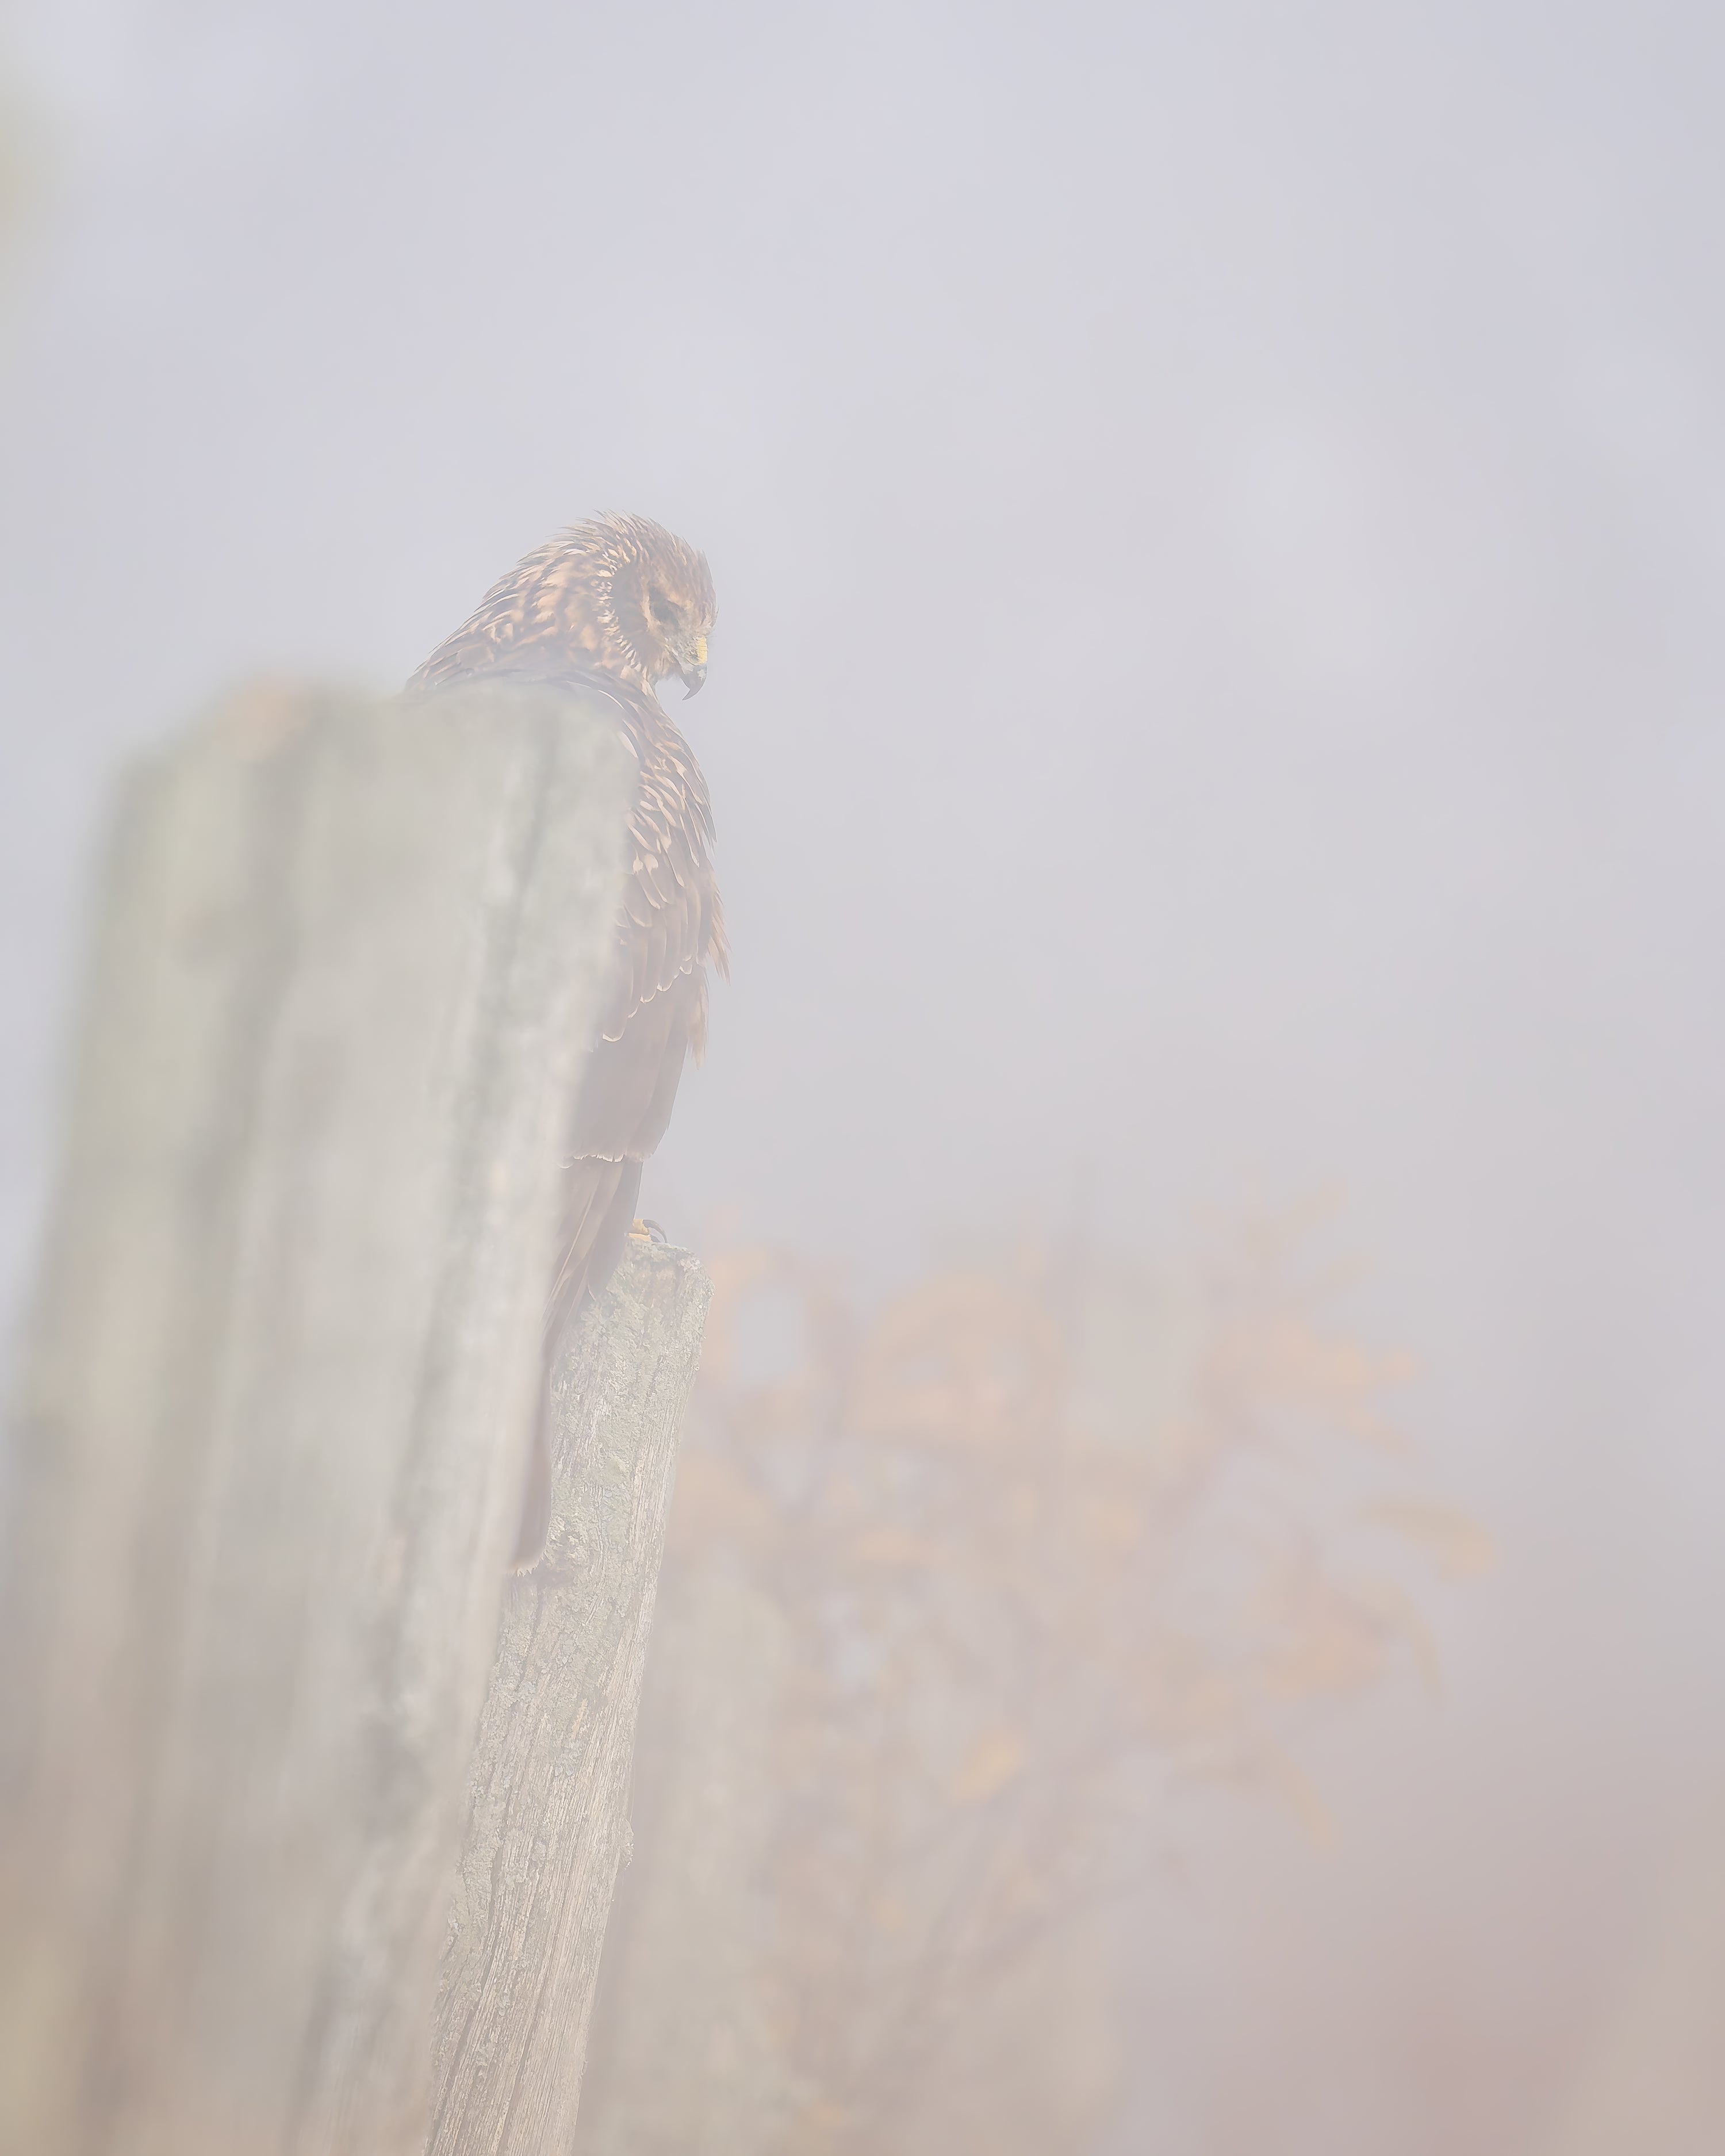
(607, 610)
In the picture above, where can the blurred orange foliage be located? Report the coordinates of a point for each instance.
(1041, 1536)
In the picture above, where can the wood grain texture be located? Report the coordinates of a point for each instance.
(270, 1426)
(549, 1819)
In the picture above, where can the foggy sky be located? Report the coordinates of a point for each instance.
(1218, 515)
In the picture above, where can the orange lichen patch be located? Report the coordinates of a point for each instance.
(265, 716)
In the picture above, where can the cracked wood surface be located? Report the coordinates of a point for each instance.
(548, 1821)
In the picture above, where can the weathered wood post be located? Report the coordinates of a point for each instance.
(548, 1820)
(270, 1432)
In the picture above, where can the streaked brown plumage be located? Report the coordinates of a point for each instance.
(609, 608)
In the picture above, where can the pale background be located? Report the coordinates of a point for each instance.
(1218, 514)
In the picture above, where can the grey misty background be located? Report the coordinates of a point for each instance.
(1218, 516)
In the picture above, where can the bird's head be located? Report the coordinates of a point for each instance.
(652, 598)
(618, 595)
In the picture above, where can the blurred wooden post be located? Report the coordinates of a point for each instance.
(271, 1429)
(548, 1823)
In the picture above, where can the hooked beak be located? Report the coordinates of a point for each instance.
(692, 675)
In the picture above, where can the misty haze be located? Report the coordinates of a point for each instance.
(1191, 1611)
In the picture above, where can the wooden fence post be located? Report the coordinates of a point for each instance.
(548, 1819)
(270, 1432)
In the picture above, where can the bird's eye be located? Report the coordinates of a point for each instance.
(664, 606)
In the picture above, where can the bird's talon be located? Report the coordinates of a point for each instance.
(650, 1231)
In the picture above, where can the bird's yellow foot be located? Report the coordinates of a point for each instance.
(650, 1231)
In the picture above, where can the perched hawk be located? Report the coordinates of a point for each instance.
(607, 610)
